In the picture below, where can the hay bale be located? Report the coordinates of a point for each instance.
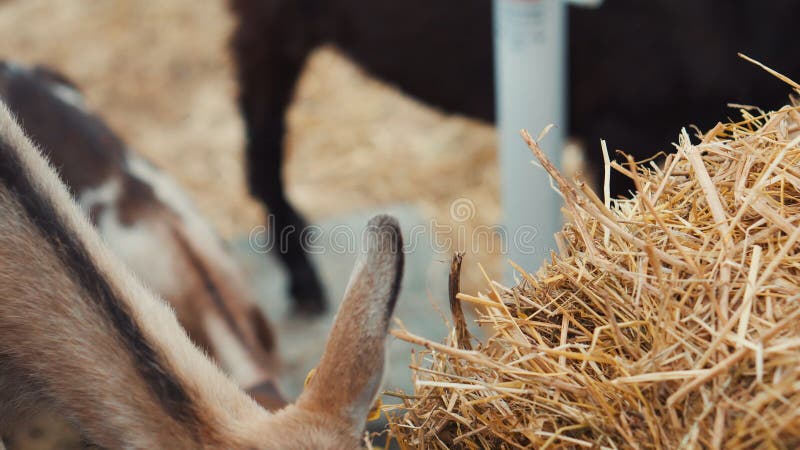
(669, 319)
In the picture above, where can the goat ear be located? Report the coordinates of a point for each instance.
(351, 370)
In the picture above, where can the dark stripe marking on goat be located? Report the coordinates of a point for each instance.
(210, 286)
(150, 364)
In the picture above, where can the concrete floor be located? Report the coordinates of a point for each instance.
(422, 305)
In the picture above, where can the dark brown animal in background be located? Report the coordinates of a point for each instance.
(639, 71)
(149, 222)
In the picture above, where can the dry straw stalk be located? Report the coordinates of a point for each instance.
(669, 319)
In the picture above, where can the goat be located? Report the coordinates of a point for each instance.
(639, 71)
(148, 221)
(81, 335)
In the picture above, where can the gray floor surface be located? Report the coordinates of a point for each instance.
(422, 305)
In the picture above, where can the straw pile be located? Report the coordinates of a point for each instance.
(670, 319)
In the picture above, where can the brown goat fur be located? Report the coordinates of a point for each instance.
(80, 334)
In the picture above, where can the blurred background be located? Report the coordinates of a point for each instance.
(161, 74)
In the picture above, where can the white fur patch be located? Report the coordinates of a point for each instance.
(68, 95)
(63, 92)
(171, 195)
(146, 246)
(204, 240)
(16, 68)
(105, 195)
(231, 353)
(165, 188)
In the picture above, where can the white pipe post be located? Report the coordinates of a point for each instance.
(530, 76)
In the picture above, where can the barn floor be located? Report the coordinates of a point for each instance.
(160, 73)
(421, 307)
